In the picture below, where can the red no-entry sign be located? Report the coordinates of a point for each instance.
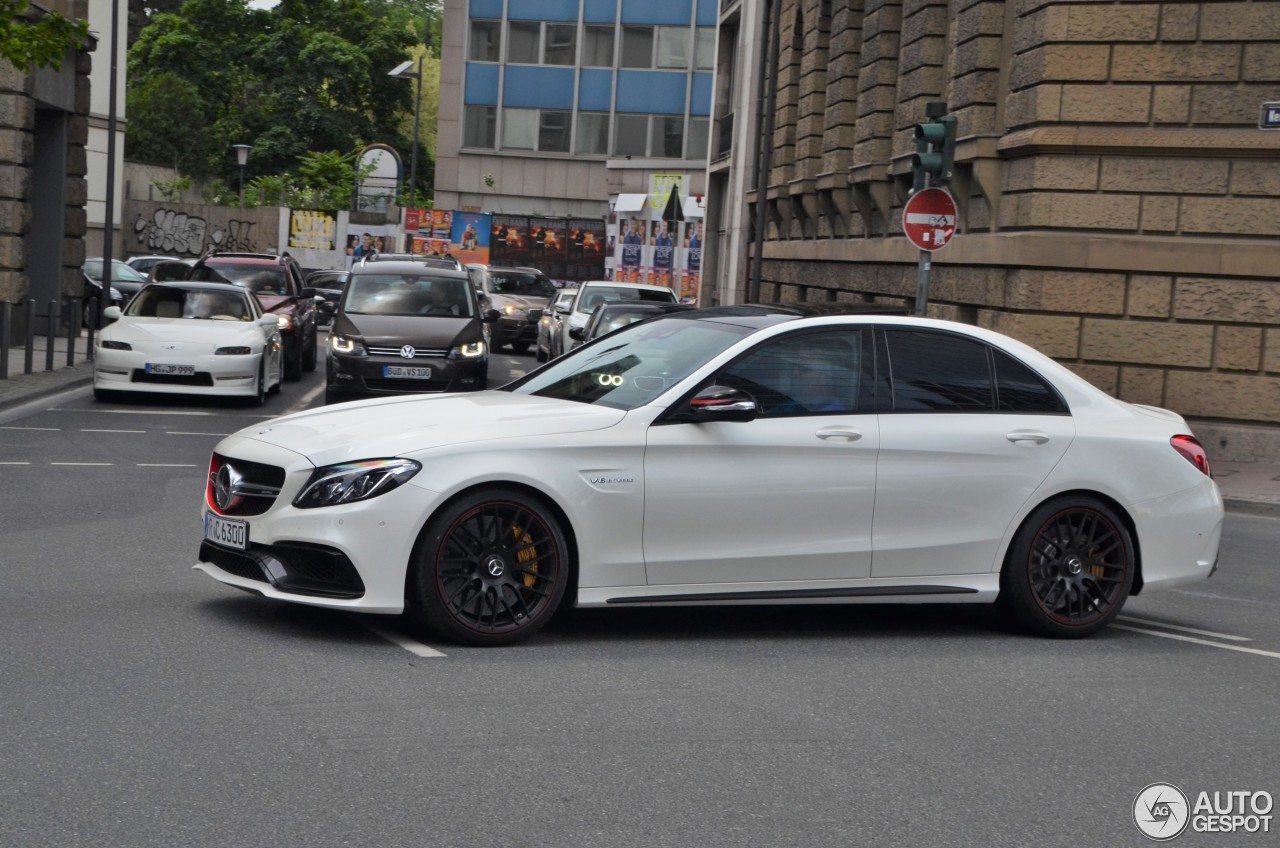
(929, 219)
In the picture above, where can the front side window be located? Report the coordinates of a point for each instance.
(486, 41)
(938, 372)
(809, 373)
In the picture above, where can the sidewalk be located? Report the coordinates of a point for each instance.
(1252, 487)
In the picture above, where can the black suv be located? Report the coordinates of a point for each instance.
(512, 292)
(277, 282)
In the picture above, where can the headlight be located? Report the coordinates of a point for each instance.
(354, 481)
(233, 351)
(474, 350)
(285, 322)
(515, 312)
(110, 345)
(346, 344)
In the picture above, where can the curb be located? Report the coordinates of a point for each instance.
(24, 388)
(1250, 507)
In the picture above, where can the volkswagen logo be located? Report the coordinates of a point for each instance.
(226, 486)
(408, 352)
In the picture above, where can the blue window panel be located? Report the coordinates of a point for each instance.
(481, 86)
(700, 100)
(656, 92)
(708, 12)
(659, 12)
(486, 8)
(595, 90)
(540, 10)
(600, 11)
(538, 88)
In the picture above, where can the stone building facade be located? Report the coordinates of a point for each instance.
(43, 130)
(1119, 200)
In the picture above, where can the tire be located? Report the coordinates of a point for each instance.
(259, 397)
(520, 348)
(1069, 569)
(490, 569)
(309, 358)
(105, 395)
(333, 397)
(293, 364)
(540, 354)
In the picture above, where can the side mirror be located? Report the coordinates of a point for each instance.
(722, 403)
(563, 309)
(577, 333)
(490, 315)
(535, 314)
(307, 292)
(111, 313)
(326, 306)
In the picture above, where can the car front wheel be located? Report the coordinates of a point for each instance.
(1069, 570)
(490, 569)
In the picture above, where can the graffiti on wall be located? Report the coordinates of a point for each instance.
(176, 233)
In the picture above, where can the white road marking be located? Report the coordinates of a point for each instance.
(1183, 629)
(1180, 638)
(182, 433)
(112, 431)
(15, 463)
(167, 465)
(83, 463)
(415, 648)
(304, 402)
(46, 429)
(137, 411)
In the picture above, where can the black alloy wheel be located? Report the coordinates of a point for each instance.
(293, 363)
(260, 392)
(309, 359)
(490, 569)
(1069, 569)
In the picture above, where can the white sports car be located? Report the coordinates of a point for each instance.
(189, 338)
(741, 454)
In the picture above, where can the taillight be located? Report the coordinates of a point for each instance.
(1192, 452)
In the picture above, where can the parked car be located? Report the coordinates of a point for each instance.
(328, 286)
(592, 294)
(426, 259)
(548, 319)
(277, 282)
(512, 292)
(614, 315)
(170, 270)
(123, 279)
(144, 264)
(744, 454)
(405, 327)
(192, 339)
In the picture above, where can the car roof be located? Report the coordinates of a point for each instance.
(244, 258)
(200, 286)
(406, 266)
(616, 285)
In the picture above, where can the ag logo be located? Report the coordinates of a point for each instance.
(1161, 812)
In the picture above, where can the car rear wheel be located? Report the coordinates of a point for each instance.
(260, 392)
(1069, 570)
(520, 348)
(293, 364)
(309, 356)
(490, 569)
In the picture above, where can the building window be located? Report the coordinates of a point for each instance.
(561, 47)
(553, 131)
(522, 42)
(699, 128)
(597, 47)
(668, 137)
(519, 129)
(593, 134)
(637, 47)
(478, 124)
(631, 134)
(486, 41)
(704, 49)
(673, 47)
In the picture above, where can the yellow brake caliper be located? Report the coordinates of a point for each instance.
(526, 555)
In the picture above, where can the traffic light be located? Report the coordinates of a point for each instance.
(935, 150)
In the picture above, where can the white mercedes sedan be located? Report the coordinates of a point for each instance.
(746, 454)
(189, 338)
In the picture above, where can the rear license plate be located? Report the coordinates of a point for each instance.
(228, 532)
(404, 371)
(179, 370)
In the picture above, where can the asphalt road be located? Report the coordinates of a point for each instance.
(143, 704)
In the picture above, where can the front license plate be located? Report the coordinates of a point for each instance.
(404, 371)
(228, 532)
(180, 370)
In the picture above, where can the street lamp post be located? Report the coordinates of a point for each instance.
(242, 156)
(402, 71)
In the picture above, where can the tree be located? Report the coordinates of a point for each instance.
(38, 43)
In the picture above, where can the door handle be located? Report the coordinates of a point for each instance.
(839, 434)
(1033, 436)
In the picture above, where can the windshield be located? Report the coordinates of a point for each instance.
(258, 279)
(597, 295)
(527, 285)
(407, 294)
(119, 272)
(633, 366)
(173, 302)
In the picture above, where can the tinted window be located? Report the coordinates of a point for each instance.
(258, 279)
(801, 374)
(596, 295)
(1019, 389)
(939, 372)
(406, 294)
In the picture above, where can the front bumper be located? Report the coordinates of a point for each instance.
(125, 371)
(507, 330)
(365, 375)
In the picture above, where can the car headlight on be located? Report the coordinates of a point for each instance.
(239, 350)
(112, 345)
(473, 350)
(514, 312)
(284, 322)
(354, 481)
(347, 345)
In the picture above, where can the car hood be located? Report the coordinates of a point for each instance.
(274, 302)
(402, 426)
(501, 299)
(426, 331)
(192, 331)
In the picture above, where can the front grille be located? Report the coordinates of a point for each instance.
(200, 378)
(399, 385)
(296, 567)
(259, 484)
(418, 352)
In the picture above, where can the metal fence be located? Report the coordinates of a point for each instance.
(59, 314)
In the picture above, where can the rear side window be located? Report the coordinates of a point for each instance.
(938, 372)
(1019, 389)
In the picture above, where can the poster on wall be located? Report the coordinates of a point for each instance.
(470, 237)
(691, 276)
(548, 246)
(509, 240)
(361, 239)
(586, 249)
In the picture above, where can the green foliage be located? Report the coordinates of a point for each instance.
(38, 43)
(171, 190)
